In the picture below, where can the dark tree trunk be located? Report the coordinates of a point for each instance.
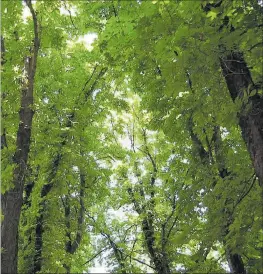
(158, 257)
(2, 50)
(118, 255)
(234, 260)
(241, 86)
(71, 246)
(11, 201)
(235, 263)
(39, 230)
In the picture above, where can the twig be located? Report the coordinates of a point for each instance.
(70, 16)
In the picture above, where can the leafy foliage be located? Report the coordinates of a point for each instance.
(136, 157)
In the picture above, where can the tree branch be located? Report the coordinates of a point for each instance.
(141, 262)
(95, 256)
(92, 74)
(247, 192)
(101, 73)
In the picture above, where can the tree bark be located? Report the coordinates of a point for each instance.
(11, 201)
(241, 86)
(2, 50)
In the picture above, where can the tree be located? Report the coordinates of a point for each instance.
(12, 199)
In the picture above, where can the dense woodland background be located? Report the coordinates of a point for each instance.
(143, 151)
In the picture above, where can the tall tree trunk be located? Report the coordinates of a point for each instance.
(47, 188)
(241, 86)
(40, 219)
(12, 200)
(71, 245)
(158, 257)
(235, 261)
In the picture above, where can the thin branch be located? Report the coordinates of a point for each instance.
(168, 219)
(247, 192)
(148, 151)
(70, 16)
(133, 246)
(94, 70)
(101, 73)
(256, 45)
(126, 231)
(141, 262)
(95, 256)
(171, 228)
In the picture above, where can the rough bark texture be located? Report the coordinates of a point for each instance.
(241, 86)
(12, 200)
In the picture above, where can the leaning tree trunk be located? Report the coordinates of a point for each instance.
(12, 200)
(241, 86)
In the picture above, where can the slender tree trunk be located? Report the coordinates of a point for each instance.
(241, 86)
(11, 201)
(118, 255)
(235, 261)
(158, 258)
(47, 188)
(72, 245)
(39, 230)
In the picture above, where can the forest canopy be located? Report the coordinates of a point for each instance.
(131, 136)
